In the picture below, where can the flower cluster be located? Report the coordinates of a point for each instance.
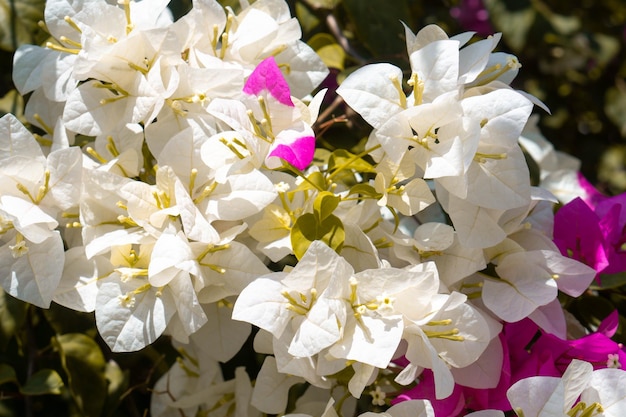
(591, 228)
(176, 190)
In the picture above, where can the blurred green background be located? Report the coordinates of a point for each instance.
(573, 57)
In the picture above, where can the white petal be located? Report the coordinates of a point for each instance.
(371, 93)
(272, 388)
(17, 140)
(221, 337)
(240, 196)
(129, 327)
(79, 284)
(33, 277)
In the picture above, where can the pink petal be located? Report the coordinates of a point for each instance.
(267, 76)
(298, 153)
(609, 325)
(592, 196)
(578, 229)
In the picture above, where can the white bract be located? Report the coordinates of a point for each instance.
(581, 391)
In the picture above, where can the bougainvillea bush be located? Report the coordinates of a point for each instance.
(175, 188)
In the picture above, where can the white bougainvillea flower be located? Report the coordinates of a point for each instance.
(220, 337)
(435, 70)
(35, 192)
(452, 335)
(265, 28)
(370, 90)
(558, 170)
(278, 300)
(104, 219)
(225, 268)
(411, 408)
(373, 303)
(433, 237)
(400, 189)
(176, 391)
(31, 251)
(187, 105)
(581, 391)
(291, 142)
(131, 313)
(82, 277)
(528, 280)
(271, 390)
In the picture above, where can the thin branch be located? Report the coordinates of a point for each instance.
(328, 111)
(335, 29)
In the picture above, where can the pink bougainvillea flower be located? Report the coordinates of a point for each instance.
(298, 152)
(592, 196)
(425, 389)
(292, 138)
(592, 229)
(528, 351)
(533, 352)
(612, 212)
(268, 77)
(579, 235)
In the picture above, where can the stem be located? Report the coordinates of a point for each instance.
(353, 159)
(329, 110)
(333, 26)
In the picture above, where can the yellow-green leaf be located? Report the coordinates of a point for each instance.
(364, 189)
(307, 229)
(7, 374)
(45, 381)
(324, 205)
(329, 50)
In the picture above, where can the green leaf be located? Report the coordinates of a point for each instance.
(364, 189)
(85, 367)
(7, 374)
(308, 20)
(18, 22)
(609, 281)
(329, 50)
(307, 229)
(324, 205)
(45, 381)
